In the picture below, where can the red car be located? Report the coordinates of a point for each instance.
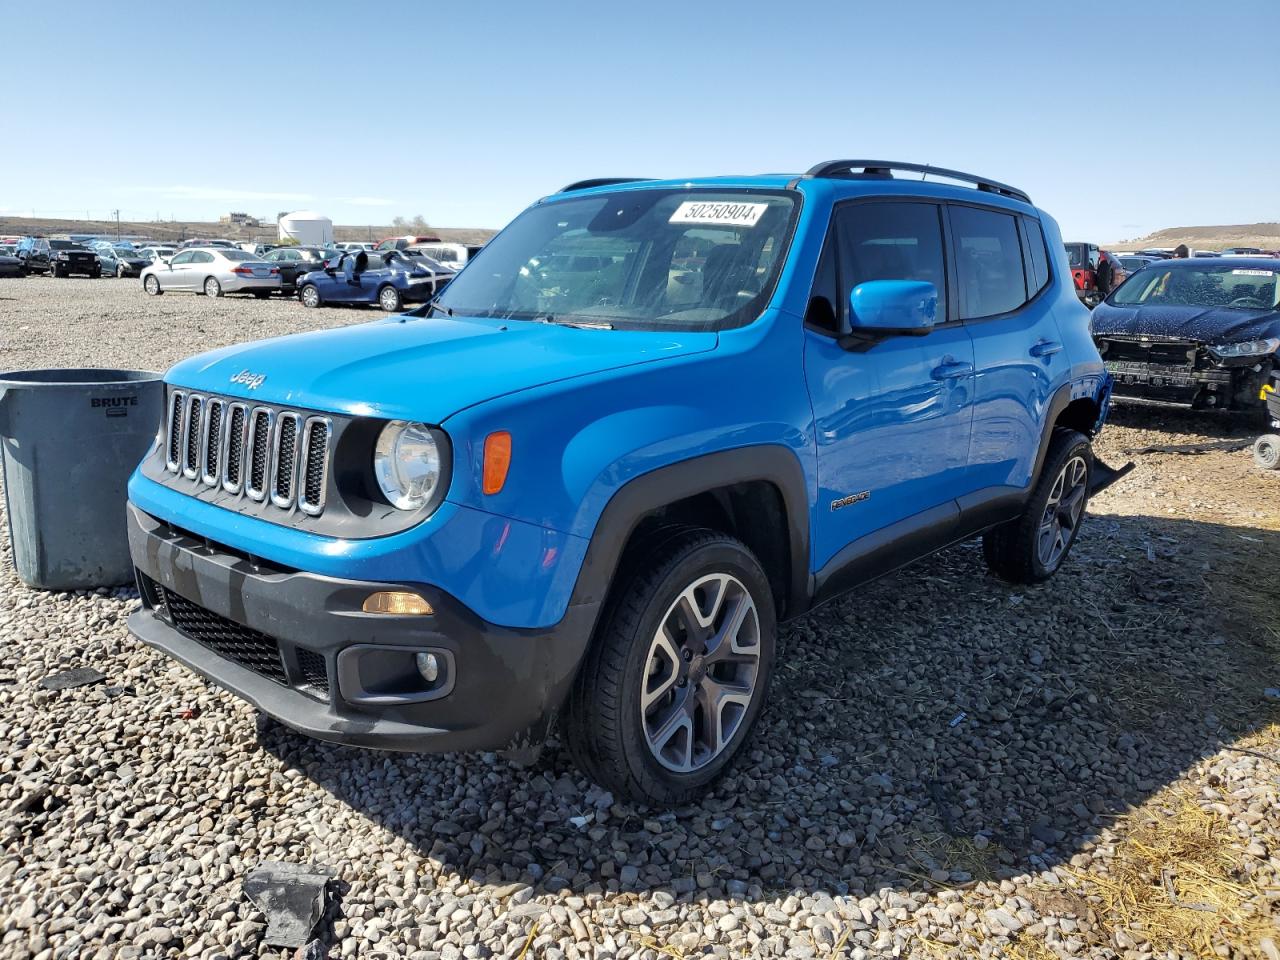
(1095, 272)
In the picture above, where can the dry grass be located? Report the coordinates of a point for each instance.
(1176, 882)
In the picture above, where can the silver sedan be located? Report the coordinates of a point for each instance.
(212, 271)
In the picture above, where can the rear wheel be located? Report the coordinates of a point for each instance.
(152, 285)
(389, 299)
(212, 288)
(1031, 548)
(1266, 451)
(678, 670)
(309, 295)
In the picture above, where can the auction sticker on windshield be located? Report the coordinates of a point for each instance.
(720, 214)
(1253, 273)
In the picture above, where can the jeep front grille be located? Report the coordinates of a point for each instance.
(268, 455)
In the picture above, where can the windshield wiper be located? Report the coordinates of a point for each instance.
(580, 324)
(430, 305)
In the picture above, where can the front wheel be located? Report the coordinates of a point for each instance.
(1266, 451)
(678, 670)
(1031, 548)
(310, 296)
(152, 285)
(120, 271)
(389, 299)
(53, 272)
(212, 288)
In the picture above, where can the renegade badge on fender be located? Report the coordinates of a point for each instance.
(649, 421)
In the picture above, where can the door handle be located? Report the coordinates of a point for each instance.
(952, 370)
(1045, 348)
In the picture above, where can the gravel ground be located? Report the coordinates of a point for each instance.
(948, 767)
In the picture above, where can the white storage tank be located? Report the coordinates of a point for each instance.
(309, 228)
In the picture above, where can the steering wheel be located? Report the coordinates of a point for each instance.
(1247, 302)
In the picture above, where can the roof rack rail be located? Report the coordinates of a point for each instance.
(600, 182)
(884, 168)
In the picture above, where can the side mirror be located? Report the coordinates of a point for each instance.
(885, 308)
(167, 261)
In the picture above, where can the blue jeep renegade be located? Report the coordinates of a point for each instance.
(648, 422)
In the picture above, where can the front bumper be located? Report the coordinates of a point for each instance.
(299, 647)
(1215, 387)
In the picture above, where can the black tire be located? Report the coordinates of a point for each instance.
(212, 288)
(96, 274)
(1266, 451)
(1013, 550)
(309, 295)
(120, 271)
(53, 272)
(152, 285)
(389, 299)
(605, 728)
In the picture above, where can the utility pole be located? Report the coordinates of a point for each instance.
(117, 215)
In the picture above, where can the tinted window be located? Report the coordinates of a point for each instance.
(182, 258)
(988, 262)
(202, 256)
(890, 241)
(1038, 267)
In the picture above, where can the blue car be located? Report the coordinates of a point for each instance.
(390, 280)
(650, 421)
(1199, 332)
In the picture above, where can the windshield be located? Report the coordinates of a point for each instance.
(639, 259)
(1245, 288)
(64, 245)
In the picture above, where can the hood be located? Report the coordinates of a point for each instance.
(421, 369)
(1200, 324)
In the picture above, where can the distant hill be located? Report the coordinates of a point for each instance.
(1264, 235)
(176, 230)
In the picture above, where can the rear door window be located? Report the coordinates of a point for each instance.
(988, 262)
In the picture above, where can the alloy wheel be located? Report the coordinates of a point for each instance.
(700, 673)
(1061, 517)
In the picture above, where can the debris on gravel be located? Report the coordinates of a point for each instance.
(949, 766)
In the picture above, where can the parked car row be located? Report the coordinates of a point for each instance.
(317, 275)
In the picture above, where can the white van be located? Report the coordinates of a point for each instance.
(453, 255)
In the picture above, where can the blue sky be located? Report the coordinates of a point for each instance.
(1117, 118)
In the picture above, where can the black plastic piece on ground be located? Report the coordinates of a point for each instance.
(292, 896)
(80, 677)
(1104, 476)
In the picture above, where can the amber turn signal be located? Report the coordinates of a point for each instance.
(497, 460)
(397, 603)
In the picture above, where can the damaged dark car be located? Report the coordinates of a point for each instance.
(1204, 333)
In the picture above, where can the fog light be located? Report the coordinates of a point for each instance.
(397, 603)
(428, 666)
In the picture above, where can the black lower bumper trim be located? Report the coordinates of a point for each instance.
(506, 685)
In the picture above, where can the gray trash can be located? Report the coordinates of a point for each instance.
(70, 440)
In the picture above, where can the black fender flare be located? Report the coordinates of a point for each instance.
(1057, 403)
(642, 495)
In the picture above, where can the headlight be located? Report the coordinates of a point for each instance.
(407, 463)
(1251, 348)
